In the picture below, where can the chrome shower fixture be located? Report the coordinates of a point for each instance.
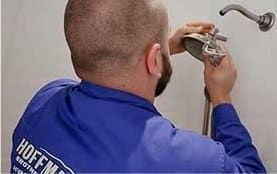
(201, 46)
(266, 21)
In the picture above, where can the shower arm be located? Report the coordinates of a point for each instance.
(265, 21)
(240, 9)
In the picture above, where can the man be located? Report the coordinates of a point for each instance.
(107, 122)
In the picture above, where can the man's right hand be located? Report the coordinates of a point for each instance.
(220, 79)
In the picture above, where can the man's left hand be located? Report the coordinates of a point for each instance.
(175, 44)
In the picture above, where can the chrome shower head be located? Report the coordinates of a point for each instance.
(194, 45)
(265, 21)
(200, 46)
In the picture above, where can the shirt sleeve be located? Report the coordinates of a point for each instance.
(241, 155)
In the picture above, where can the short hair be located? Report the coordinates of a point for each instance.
(111, 31)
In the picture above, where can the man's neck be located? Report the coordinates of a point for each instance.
(132, 86)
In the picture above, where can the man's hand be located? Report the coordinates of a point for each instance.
(175, 44)
(220, 79)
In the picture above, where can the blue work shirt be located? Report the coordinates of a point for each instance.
(72, 127)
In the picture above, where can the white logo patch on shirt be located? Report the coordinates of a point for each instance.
(36, 161)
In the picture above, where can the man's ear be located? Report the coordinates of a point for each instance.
(154, 60)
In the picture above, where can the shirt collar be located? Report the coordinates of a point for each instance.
(106, 93)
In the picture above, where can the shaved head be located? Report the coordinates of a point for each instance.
(104, 35)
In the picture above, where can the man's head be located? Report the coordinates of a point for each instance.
(126, 39)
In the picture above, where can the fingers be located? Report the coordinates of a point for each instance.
(195, 27)
(224, 64)
(204, 24)
(198, 29)
(207, 63)
(231, 63)
(207, 26)
(227, 60)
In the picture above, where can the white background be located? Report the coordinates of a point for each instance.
(34, 52)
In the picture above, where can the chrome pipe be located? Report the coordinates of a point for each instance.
(266, 21)
(207, 117)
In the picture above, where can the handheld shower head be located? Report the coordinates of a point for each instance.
(200, 46)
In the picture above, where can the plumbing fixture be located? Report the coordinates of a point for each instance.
(201, 46)
(266, 21)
